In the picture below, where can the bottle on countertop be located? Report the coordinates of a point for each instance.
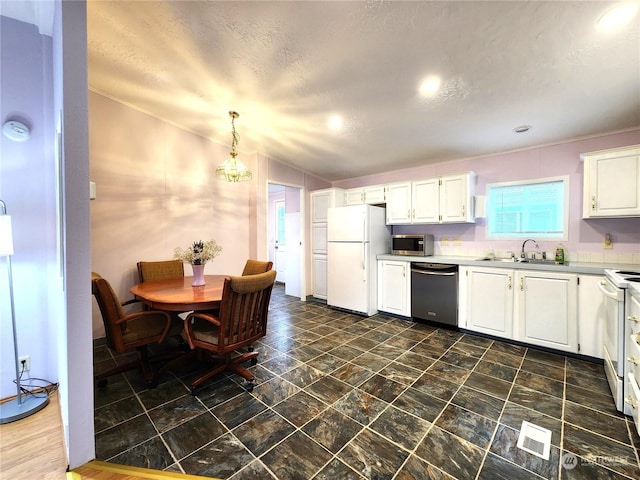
(560, 255)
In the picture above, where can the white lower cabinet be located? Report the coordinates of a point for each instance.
(539, 308)
(591, 316)
(320, 276)
(547, 310)
(489, 300)
(394, 287)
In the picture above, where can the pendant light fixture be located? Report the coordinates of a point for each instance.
(232, 169)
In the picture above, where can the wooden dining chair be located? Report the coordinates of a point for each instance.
(241, 320)
(252, 267)
(133, 331)
(159, 270)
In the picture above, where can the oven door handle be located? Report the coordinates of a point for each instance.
(616, 294)
(428, 272)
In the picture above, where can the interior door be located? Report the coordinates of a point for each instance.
(293, 255)
(280, 254)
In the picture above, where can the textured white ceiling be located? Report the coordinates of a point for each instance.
(287, 66)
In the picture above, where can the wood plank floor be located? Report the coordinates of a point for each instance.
(110, 471)
(33, 448)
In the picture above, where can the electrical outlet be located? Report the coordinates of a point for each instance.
(27, 363)
(457, 241)
(444, 241)
(607, 243)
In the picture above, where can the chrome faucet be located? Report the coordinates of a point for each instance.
(522, 254)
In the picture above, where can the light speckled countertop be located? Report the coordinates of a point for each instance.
(571, 267)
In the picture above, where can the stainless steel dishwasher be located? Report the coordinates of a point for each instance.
(434, 292)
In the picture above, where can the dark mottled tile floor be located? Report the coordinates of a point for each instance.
(340, 396)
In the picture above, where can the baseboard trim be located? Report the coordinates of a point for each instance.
(137, 472)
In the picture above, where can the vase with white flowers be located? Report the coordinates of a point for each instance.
(197, 255)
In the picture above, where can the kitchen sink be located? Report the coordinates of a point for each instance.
(488, 259)
(537, 261)
(518, 260)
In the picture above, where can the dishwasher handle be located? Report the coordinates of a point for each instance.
(432, 272)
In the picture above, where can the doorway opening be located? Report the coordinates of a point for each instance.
(284, 236)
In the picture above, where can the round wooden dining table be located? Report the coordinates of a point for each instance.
(178, 295)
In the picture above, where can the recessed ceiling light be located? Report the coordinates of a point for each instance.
(522, 129)
(617, 17)
(430, 86)
(335, 122)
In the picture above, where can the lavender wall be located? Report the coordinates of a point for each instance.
(156, 190)
(26, 95)
(585, 236)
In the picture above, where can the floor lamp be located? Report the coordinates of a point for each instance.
(23, 405)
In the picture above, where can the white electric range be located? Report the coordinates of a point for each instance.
(620, 329)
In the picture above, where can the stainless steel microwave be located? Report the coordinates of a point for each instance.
(417, 245)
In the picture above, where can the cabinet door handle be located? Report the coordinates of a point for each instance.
(463, 209)
(409, 214)
(631, 401)
(522, 284)
(509, 282)
(593, 202)
(404, 271)
(633, 360)
(632, 318)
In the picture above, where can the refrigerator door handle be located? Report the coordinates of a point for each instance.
(364, 268)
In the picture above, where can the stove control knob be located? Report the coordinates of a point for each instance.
(631, 401)
(633, 318)
(633, 360)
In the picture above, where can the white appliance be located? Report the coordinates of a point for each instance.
(356, 235)
(615, 290)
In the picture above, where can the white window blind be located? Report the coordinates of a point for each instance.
(534, 208)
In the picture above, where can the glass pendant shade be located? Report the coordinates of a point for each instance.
(232, 169)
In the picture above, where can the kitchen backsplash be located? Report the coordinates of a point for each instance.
(580, 257)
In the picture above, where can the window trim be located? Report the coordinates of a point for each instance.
(538, 236)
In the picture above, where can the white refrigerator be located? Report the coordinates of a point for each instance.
(355, 236)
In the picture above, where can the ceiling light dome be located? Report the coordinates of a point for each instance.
(617, 17)
(430, 86)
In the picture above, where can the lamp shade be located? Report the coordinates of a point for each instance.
(233, 170)
(6, 236)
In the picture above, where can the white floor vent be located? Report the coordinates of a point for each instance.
(535, 440)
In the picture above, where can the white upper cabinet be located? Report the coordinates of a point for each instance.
(456, 198)
(399, 203)
(321, 200)
(446, 199)
(425, 201)
(612, 183)
(372, 195)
